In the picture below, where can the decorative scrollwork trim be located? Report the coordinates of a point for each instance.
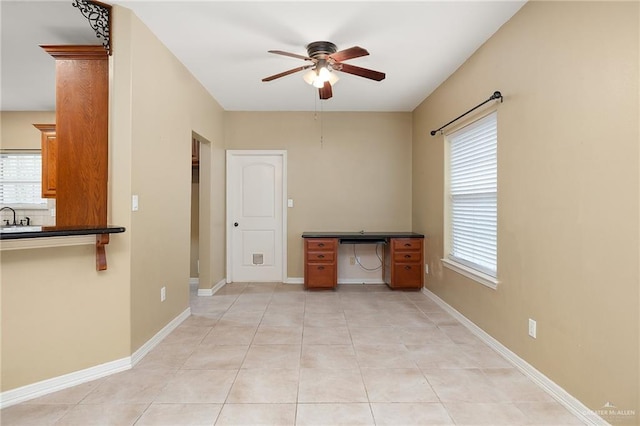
(99, 16)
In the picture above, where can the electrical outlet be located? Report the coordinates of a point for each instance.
(352, 260)
(163, 294)
(426, 268)
(134, 203)
(533, 328)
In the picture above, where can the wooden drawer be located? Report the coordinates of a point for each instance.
(407, 243)
(407, 256)
(321, 256)
(320, 275)
(407, 275)
(318, 244)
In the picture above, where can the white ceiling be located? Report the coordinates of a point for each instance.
(224, 44)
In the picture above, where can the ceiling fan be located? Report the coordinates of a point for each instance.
(325, 59)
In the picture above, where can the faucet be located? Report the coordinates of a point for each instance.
(14, 215)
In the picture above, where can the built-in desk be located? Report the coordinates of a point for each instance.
(402, 266)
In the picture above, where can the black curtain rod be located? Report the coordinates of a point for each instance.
(496, 95)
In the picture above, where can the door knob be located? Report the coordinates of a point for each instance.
(235, 224)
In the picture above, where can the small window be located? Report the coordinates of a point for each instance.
(473, 199)
(20, 180)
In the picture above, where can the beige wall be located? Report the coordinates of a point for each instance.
(346, 171)
(162, 123)
(568, 140)
(17, 131)
(58, 314)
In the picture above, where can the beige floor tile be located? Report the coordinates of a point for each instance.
(229, 335)
(72, 395)
(257, 414)
(216, 357)
(384, 356)
(324, 319)
(274, 335)
(180, 415)
(272, 356)
(241, 318)
(410, 414)
(484, 356)
(328, 356)
(167, 356)
(187, 335)
(198, 386)
(283, 318)
(436, 356)
(440, 317)
(547, 413)
(202, 320)
(460, 334)
(334, 414)
(130, 387)
(326, 336)
(417, 319)
(328, 385)
(102, 414)
(516, 385)
(370, 318)
(374, 335)
(464, 385)
(33, 414)
(465, 413)
(265, 386)
(397, 385)
(427, 335)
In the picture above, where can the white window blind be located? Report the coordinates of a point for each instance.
(473, 195)
(20, 179)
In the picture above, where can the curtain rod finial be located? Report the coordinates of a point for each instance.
(433, 133)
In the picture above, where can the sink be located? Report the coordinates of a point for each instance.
(18, 228)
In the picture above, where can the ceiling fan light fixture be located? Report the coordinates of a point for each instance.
(317, 77)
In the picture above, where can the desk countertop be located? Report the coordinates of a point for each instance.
(362, 235)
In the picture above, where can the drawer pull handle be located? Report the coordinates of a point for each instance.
(321, 245)
(407, 256)
(320, 268)
(321, 256)
(407, 244)
(407, 267)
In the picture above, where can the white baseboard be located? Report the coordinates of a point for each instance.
(300, 280)
(55, 384)
(194, 281)
(212, 291)
(584, 413)
(137, 356)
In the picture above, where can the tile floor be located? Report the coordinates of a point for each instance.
(274, 354)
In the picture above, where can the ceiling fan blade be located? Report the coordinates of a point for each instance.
(282, 74)
(361, 72)
(325, 92)
(350, 53)
(293, 55)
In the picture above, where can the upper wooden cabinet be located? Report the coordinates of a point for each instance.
(82, 122)
(49, 159)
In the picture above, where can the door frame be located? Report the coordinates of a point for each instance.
(256, 153)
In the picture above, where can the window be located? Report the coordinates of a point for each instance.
(472, 204)
(20, 180)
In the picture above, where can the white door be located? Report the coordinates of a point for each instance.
(256, 187)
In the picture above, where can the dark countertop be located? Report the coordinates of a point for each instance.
(22, 232)
(361, 235)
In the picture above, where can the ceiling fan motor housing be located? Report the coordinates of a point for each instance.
(321, 49)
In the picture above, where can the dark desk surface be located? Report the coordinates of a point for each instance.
(363, 236)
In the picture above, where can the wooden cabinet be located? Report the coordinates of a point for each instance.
(404, 263)
(320, 263)
(82, 124)
(49, 159)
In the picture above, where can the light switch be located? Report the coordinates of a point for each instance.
(134, 203)
(290, 202)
